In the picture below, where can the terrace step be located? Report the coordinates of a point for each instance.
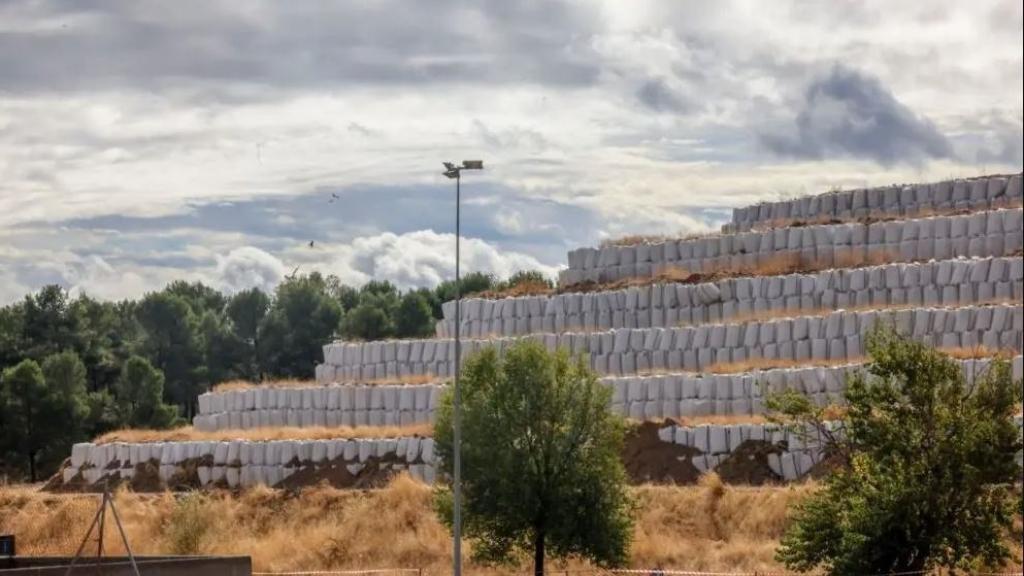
(945, 283)
(642, 397)
(900, 201)
(835, 336)
(978, 235)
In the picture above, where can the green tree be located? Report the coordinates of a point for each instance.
(47, 326)
(540, 459)
(173, 346)
(470, 284)
(34, 416)
(374, 317)
(929, 461)
(528, 281)
(247, 309)
(414, 317)
(65, 378)
(198, 296)
(139, 396)
(301, 320)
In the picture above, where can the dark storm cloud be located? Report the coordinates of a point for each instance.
(848, 114)
(226, 47)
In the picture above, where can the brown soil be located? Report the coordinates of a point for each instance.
(147, 477)
(748, 464)
(649, 460)
(375, 474)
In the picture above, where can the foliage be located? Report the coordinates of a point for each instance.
(414, 317)
(193, 336)
(34, 413)
(138, 397)
(540, 459)
(189, 524)
(929, 462)
(301, 319)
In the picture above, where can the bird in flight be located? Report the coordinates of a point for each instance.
(311, 243)
(333, 198)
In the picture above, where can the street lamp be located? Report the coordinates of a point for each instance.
(455, 172)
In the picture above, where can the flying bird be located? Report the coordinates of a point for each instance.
(333, 198)
(311, 243)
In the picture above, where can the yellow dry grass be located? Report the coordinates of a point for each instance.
(779, 264)
(765, 315)
(188, 433)
(709, 527)
(752, 364)
(1009, 203)
(525, 288)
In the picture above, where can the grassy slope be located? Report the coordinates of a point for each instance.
(708, 527)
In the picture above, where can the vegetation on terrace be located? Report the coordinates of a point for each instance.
(94, 366)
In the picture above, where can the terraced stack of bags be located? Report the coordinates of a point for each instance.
(941, 262)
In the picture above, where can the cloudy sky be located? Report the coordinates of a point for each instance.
(213, 140)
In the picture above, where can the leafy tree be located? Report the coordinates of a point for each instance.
(540, 459)
(12, 320)
(526, 282)
(374, 317)
(367, 321)
(414, 317)
(139, 396)
(225, 355)
(47, 326)
(65, 378)
(301, 320)
(171, 342)
(247, 309)
(34, 416)
(197, 295)
(929, 461)
(470, 283)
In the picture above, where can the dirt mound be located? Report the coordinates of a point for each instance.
(650, 460)
(748, 464)
(375, 473)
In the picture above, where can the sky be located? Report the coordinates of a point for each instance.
(213, 140)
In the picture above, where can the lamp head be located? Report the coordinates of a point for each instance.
(473, 164)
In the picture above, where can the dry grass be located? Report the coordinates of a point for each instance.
(524, 288)
(976, 353)
(411, 380)
(708, 527)
(765, 315)
(922, 213)
(752, 364)
(188, 433)
(780, 264)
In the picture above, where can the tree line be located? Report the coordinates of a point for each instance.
(72, 368)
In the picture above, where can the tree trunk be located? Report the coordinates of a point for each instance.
(32, 466)
(538, 552)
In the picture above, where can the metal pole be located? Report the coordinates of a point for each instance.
(99, 543)
(124, 538)
(457, 433)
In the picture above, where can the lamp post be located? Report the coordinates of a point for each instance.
(455, 172)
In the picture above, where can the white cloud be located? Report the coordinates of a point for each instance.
(424, 258)
(249, 267)
(645, 115)
(92, 275)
